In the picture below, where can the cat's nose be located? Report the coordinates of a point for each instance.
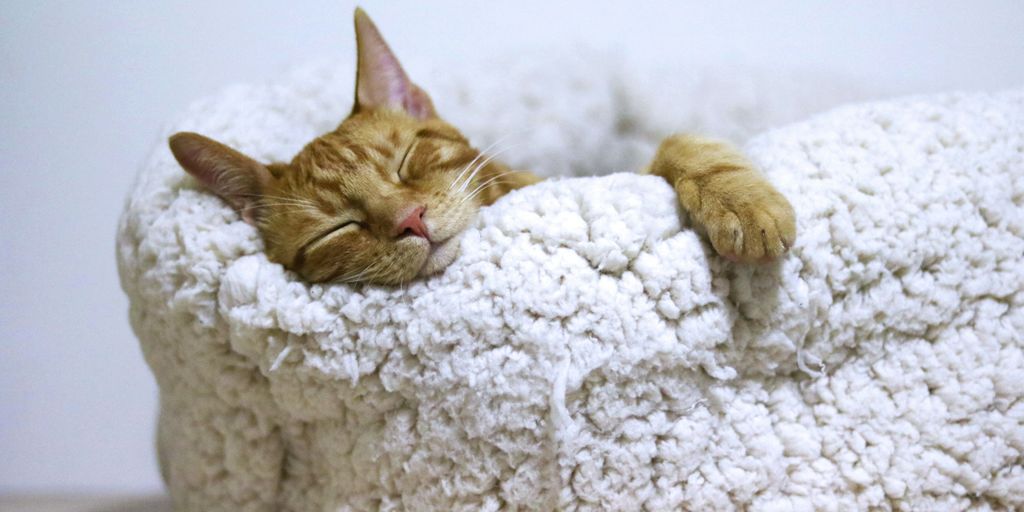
(412, 224)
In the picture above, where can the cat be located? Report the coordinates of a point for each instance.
(383, 198)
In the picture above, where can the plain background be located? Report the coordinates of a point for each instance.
(85, 86)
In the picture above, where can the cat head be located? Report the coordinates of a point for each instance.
(382, 199)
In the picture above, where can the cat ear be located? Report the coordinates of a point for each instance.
(234, 177)
(380, 80)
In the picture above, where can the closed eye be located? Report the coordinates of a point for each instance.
(401, 166)
(330, 231)
(300, 255)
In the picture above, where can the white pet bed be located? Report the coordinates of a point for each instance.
(588, 350)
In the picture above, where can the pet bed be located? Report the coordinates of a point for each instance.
(588, 350)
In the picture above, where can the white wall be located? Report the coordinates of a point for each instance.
(86, 85)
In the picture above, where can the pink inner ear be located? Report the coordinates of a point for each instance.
(236, 178)
(418, 104)
(381, 81)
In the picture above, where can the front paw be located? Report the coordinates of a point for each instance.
(753, 223)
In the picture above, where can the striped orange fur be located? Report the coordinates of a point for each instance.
(384, 197)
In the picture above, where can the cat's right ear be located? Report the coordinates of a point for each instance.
(380, 80)
(234, 177)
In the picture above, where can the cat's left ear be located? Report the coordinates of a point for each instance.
(380, 80)
(235, 177)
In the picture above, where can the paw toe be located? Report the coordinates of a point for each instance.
(761, 235)
(786, 225)
(754, 248)
(726, 233)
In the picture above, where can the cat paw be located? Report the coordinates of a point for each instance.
(750, 231)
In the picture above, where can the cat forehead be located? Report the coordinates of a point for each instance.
(367, 126)
(364, 142)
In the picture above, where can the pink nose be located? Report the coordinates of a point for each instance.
(413, 224)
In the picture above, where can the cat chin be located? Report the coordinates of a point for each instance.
(440, 256)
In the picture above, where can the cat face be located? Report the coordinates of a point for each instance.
(381, 199)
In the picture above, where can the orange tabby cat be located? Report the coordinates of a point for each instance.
(384, 197)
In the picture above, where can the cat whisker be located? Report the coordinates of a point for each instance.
(466, 168)
(482, 153)
(287, 209)
(480, 192)
(296, 200)
(281, 198)
(355, 274)
(490, 181)
(358, 275)
(299, 205)
(482, 164)
(385, 270)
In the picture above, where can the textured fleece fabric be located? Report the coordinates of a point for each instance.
(588, 350)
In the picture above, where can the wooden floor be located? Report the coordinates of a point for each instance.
(84, 503)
